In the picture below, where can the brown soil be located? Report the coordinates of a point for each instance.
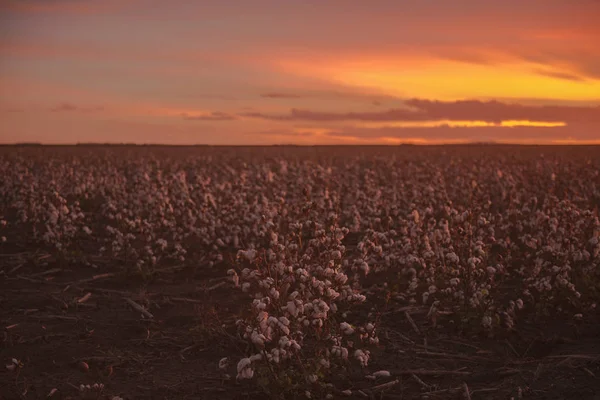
(174, 355)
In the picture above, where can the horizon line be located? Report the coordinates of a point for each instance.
(126, 144)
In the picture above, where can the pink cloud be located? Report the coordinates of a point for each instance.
(69, 107)
(213, 116)
(75, 7)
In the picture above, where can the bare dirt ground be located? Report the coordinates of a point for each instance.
(71, 326)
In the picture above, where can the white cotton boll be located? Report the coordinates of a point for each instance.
(282, 354)
(341, 278)
(250, 255)
(454, 281)
(486, 321)
(336, 255)
(261, 305)
(381, 374)
(308, 395)
(243, 363)
(347, 392)
(256, 357)
(262, 318)
(312, 378)
(491, 271)
(362, 357)
(223, 363)
(365, 268)
(452, 257)
(325, 363)
(274, 293)
(292, 309)
(258, 339)
(339, 351)
(284, 321)
(246, 373)
(346, 328)
(519, 304)
(284, 329)
(284, 342)
(245, 287)
(274, 353)
(332, 294)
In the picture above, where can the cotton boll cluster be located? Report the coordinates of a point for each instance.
(96, 387)
(296, 295)
(459, 255)
(245, 368)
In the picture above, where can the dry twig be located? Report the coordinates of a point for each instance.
(412, 322)
(384, 386)
(467, 394)
(428, 372)
(84, 298)
(138, 307)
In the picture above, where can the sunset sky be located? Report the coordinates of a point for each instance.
(299, 72)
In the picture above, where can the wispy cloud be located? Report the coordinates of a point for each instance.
(69, 107)
(280, 95)
(446, 134)
(213, 116)
(463, 110)
(559, 75)
(74, 7)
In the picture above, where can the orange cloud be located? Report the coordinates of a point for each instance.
(462, 110)
(279, 95)
(428, 75)
(72, 107)
(212, 116)
(496, 111)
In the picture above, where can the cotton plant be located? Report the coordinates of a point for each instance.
(298, 290)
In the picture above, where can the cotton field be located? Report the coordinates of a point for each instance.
(299, 272)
